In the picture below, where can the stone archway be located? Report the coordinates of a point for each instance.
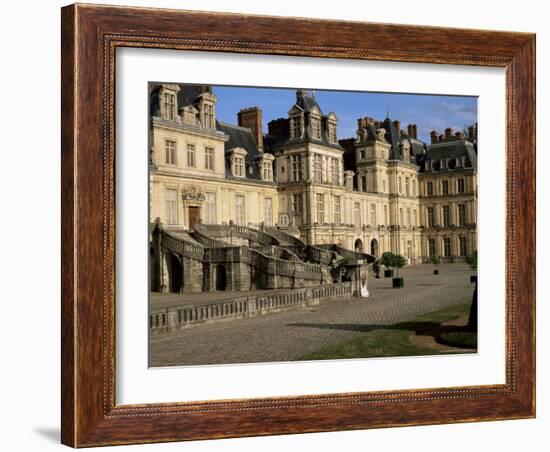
(221, 277)
(174, 267)
(358, 246)
(374, 247)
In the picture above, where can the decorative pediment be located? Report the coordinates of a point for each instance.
(191, 194)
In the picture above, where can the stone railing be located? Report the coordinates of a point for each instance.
(244, 232)
(179, 317)
(353, 255)
(181, 246)
(284, 237)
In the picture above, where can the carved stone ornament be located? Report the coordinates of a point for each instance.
(191, 194)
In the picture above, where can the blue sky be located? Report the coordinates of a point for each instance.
(427, 111)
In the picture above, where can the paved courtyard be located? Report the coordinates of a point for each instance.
(286, 336)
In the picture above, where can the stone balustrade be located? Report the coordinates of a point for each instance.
(179, 317)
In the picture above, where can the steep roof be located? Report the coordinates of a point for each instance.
(451, 151)
(241, 137)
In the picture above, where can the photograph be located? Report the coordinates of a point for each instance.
(299, 224)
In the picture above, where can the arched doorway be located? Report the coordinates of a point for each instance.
(221, 277)
(175, 273)
(374, 247)
(358, 246)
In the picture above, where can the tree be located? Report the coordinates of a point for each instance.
(398, 262)
(391, 260)
(435, 260)
(386, 259)
(472, 261)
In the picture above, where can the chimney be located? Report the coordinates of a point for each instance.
(279, 127)
(251, 118)
(410, 130)
(397, 126)
(415, 132)
(448, 132)
(361, 123)
(433, 136)
(459, 134)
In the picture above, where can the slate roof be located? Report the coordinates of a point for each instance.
(306, 102)
(242, 137)
(450, 151)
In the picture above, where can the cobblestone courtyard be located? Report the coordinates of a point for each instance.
(286, 336)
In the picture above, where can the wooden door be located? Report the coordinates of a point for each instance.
(194, 216)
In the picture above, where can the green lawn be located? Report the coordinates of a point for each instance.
(392, 340)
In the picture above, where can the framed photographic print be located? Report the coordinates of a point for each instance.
(281, 225)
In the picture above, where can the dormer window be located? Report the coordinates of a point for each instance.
(209, 116)
(170, 106)
(330, 125)
(296, 126)
(267, 171)
(238, 167)
(315, 124)
(238, 162)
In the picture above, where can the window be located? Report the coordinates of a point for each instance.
(429, 188)
(445, 216)
(317, 169)
(297, 203)
(415, 223)
(320, 208)
(209, 158)
(337, 210)
(462, 246)
(362, 154)
(208, 114)
(357, 214)
(373, 219)
(296, 164)
(460, 186)
(267, 171)
(407, 187)
(399, 187)
(172, 206)
(268, 211)
(461, 214)
(430, 220)
(296, 127)
(409, 221)
(431, 247)
(238, 164)
(334, 171)
(170, 152)
(447, 246)
(191, 155)
(364, 183)
(170, 106)
(239, 209)
(315, 128)
(386, 222)
(401, 223)
(210, 208)
(331, 131)
(445, 187)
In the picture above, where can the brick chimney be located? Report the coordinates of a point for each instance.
(433, 137)
(448, 132)
(415, 132)
(279, 127)
(251, 118)
(410, 130)
(397, 125)
(459, 134)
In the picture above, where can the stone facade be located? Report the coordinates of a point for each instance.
(383, 190)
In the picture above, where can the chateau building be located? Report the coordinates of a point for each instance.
(384, 190)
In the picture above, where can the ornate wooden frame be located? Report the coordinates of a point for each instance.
(90, 35)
